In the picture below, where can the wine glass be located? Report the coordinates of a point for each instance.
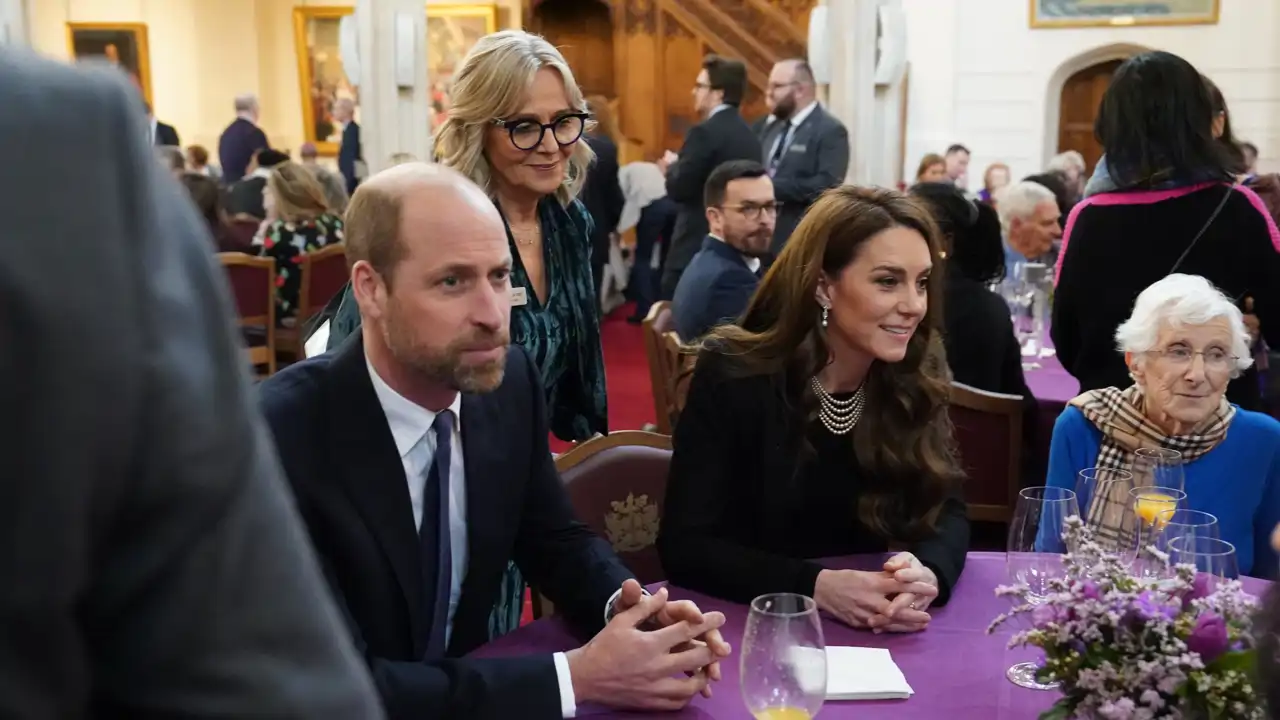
(1107, 484)
(1034, 558)
(1144, 511)
(1171, 524)
(784, 659)
(1159, 467)
(1213, 557)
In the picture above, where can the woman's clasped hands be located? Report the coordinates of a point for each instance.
(895, 599)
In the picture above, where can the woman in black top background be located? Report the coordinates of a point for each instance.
(819, 428)
(1160, 130)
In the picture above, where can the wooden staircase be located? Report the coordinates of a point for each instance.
(658, 50)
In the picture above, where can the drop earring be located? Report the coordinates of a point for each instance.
(825, 312)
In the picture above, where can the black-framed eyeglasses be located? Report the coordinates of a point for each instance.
(527, 134)
(752, 212)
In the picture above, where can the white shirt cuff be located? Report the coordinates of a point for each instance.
(568, 703)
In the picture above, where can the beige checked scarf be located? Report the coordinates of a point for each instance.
(1121, 417)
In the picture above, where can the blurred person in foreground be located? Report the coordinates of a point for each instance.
(154, 565)
(817, 427)
(1182, 343)
(418, 451)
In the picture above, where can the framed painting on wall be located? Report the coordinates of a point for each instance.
(321, 77)
(121, 44)
(451, 31)
(1095, 13)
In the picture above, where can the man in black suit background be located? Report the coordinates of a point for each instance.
(350, 154)
(722, 277)
(161, 134)
(418, 454)
(806, 150)
(721, 137)
(241, 139)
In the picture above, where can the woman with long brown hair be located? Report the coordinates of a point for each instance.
(817, 426)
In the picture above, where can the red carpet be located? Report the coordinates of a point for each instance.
(626, 374)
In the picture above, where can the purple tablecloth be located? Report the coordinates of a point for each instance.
(1050, 382)
(955, 668)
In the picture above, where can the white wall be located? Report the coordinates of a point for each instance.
(981, 76)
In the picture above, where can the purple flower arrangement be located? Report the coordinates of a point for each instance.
(1130, 648)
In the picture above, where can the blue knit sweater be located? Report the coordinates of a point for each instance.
(1238, 481)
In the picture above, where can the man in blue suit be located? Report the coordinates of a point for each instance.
(721, 278)
(418, 452)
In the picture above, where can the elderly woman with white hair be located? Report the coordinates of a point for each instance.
(1183, 342)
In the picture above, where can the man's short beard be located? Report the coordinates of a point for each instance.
(446, 366)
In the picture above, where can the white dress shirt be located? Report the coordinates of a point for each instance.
(411, 428)
(752, 263)
(788, 133)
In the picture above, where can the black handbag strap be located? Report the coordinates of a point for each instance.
(1196, 239)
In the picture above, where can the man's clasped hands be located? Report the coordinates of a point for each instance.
(638, 659)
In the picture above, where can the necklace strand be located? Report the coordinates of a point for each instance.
(839, 416)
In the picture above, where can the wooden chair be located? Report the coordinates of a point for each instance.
(988, 432)
(617, 484)
(240, 231)
(253, 284)
(323, 275)
(670, 364)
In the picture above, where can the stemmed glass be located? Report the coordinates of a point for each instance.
(1035, 556)
(784, 659)
(1104, 483)
(1171, 525)
(1213, 557)
(1159, 467)
(1144, 514)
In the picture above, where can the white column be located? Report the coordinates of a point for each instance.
(13, 24)
(852, 94)
(394, 104)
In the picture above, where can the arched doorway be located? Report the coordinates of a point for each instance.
(583, 32)
(1068, 114)
(1081, 95)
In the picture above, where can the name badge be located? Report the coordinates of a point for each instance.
(519, 296)
(797, 149)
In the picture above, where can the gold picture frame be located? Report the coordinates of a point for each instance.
(451, 29)
(321, 78)
(1059, 13)
(451, 32)
(123, 44)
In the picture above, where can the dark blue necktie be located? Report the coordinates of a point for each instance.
(433, 534)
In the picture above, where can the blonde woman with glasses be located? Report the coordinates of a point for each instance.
(515, 128)
(1183, 343)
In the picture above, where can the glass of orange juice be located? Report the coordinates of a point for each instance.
(1148, 510)
(783, 663)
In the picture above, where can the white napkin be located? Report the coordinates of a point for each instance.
(858, 673)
